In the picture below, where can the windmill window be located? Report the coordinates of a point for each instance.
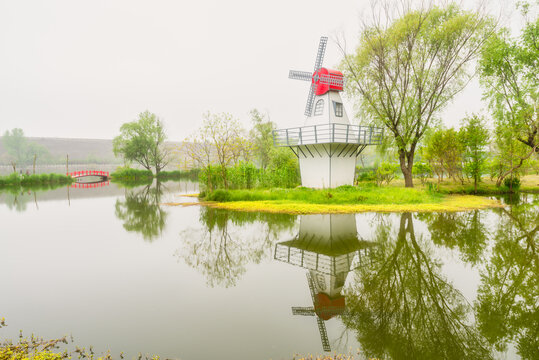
(319, 107)
(338, 109)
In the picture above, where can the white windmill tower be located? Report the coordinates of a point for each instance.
(327, 145)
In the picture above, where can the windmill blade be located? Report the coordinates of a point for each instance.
(304, 311)
(300, 75)
(310, 101)
(323, 334)
(311, 285)
(321, 52)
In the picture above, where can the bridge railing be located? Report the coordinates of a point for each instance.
(88, 173)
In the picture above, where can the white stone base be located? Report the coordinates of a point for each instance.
(325, 166)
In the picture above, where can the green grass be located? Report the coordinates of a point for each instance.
(17, 180)
(364, 194)
(344, 199)
(191, 174)
(529, 183)
(129, 174)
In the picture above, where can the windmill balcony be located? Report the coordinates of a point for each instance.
(327, 134)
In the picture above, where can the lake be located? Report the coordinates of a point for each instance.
(117, 269)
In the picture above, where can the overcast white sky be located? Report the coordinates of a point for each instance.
(74, 68)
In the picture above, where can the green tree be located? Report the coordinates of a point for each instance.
(509, 75)
(422, 171)
(444, 151)
(143, 141)
(220, 141)
(261, 136)
(283, 169)
(406, 70)
(475, 137)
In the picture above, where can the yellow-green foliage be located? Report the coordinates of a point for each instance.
(36, 348)
(450, 203)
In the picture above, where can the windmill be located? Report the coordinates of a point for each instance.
(327, 145)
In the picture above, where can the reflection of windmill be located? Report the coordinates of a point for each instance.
(311, 311)
(329, 247)
(327, 145)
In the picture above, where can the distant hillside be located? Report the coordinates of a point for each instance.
(81, 151)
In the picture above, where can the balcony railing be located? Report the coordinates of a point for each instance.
(328, 133)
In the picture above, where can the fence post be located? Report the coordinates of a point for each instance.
(287, 141)
(300, 137)
(347, 131)
(315, 136)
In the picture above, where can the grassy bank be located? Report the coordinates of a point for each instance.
(23, 180)
(345, 199)
(124, 174)
(528, 183)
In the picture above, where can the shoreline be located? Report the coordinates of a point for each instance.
(451, 203)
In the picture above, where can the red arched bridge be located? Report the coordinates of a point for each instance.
(91, 174)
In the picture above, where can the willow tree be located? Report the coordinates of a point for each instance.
(409, 65)
(510, 77)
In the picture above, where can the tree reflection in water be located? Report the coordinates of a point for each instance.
(140, 211)
(403, 308)
(465, 231)
(223, 248)
(507, 307)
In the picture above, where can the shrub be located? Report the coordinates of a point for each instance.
(386, 172)
(367, 176)
(421, 171)
(512, 183)
(219, 195)
(129, 174)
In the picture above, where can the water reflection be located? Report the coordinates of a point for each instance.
(327, 246)
(507, 306)
(140, 211)
(465, 231)
(403, 307)
(221, 250)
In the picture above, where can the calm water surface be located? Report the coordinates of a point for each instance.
(119, 270)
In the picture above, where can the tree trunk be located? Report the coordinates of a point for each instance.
(406, 159)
